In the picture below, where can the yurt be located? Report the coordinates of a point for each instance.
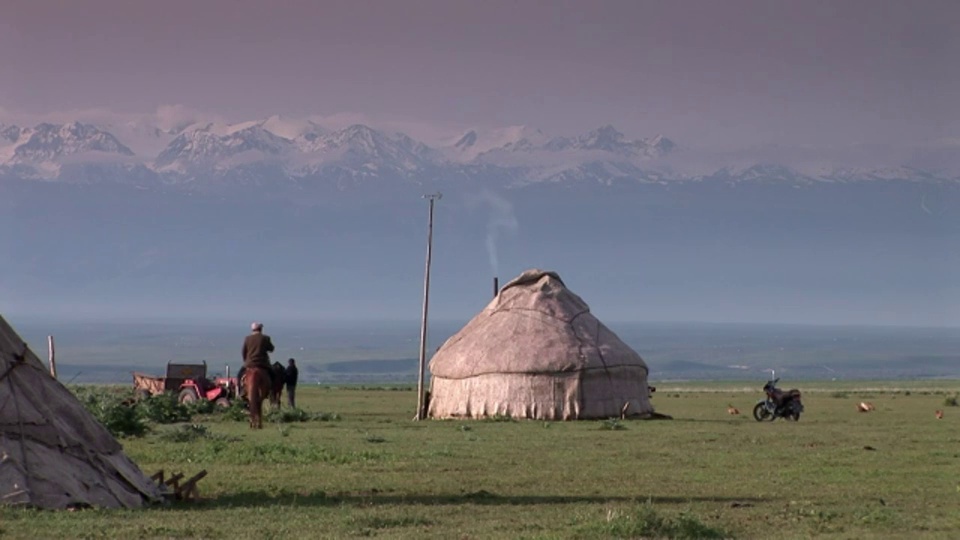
(536, 351)
(53, 453)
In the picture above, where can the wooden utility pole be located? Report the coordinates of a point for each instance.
(51, 357)
(421, 402)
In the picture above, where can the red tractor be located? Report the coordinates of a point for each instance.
(190, 382)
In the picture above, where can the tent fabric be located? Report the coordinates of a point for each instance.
(53, 453)
(536, 351)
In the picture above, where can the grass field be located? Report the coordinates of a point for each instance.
(891, 473)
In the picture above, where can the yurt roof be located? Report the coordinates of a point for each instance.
(534, 325)
(53, 452)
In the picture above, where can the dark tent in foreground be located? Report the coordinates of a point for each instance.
(536, 351)
(53, 453)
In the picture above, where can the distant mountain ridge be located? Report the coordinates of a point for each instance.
(278, 150)
(143, 217)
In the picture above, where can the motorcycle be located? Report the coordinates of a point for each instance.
(778, 404)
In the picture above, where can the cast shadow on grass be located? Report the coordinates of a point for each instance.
(482, 497)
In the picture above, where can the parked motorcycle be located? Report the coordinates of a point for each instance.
(778, 404)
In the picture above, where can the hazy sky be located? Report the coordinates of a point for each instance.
(709, 73)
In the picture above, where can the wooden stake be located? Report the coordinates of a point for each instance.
(51, 357)
(421, 409)
(188, 490)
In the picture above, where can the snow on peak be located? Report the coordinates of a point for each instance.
(660, 143)
(142, 135)
(602, 138)
(365, 148)
(240, 126)
(49, 142)
(874, 173)
(292, 128)
(609, 139)
(9, 133)
(357, 133)
(511, 138)
(469, 139)
(298, 147)
(211, 143)
(523, 146)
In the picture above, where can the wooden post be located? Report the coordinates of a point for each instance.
(421, 402)
(188, 490)
(51, 357)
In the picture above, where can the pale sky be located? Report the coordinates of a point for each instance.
(709, 73)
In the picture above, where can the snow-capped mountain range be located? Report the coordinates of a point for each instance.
(45, 146)
(171, 217)
(281, 148)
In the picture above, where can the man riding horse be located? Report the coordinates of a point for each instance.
(256, 352)
(256, 375)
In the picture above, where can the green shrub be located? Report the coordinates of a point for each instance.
(164, 409)
(612, 424)
(278, 452)
(114, 408)
(122, 420)
(370, 438)
(186, 433)
(237, 411)
(202, 406)
(285, 416)
(367, 526)
(950, 401)
(645, 522)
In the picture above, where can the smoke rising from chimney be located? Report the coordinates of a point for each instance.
(501, 220)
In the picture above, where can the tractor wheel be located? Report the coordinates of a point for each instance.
(187, 395)
(223, 403)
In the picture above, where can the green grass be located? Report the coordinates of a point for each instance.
(354, 464)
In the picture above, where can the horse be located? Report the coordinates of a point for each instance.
(256, 380)
(279, 378)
